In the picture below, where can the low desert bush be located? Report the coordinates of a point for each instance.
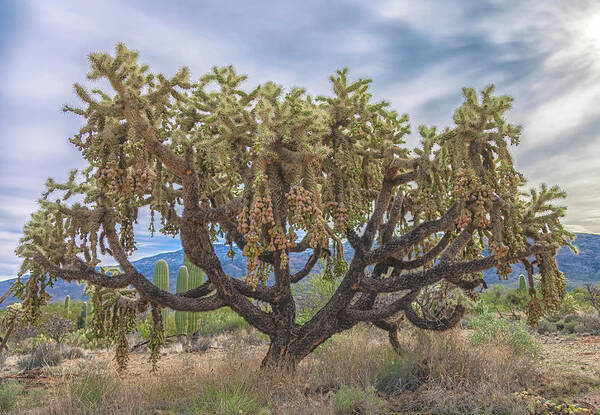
(220, 321)
(200, 345)
(456, 377)
(57, 327)
(312, 294)
(400, 374)
(355, 400)
(237, 398)
(568, 324)
(10, 391)
(443, 373)
(44, 355)
(591, 323)
(488, 329)
(24, 332)
(546, 327)
(68, 352)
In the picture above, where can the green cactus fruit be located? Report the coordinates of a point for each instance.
(522, 284)
(196, 278)
(181, 317)
(161, 280)
(68, 306)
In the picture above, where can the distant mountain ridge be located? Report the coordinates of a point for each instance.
(579, 269)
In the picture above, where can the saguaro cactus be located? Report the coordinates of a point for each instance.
(161, 280)
(68, 306)
(181, 317)
(522, 284)
(196, 278)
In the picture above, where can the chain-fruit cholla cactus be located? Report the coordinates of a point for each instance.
(279, 173)
(13, 316)
(181, 317)
(161, 280)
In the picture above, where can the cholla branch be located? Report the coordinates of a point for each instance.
(261, 167)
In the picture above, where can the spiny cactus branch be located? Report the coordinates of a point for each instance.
(261, 167)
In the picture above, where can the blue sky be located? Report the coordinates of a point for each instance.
(419, 54)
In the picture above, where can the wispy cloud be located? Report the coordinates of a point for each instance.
(419, 54)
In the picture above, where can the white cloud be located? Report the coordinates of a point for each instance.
(555, 100)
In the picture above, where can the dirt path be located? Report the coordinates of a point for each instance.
(575, 359)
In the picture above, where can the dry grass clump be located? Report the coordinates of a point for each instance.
(459, 378)
(440, 373)
(353, 358)
(177, 387)
(353, 373)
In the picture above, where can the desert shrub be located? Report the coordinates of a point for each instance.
(10, 391)
(572, 327)
(355, 400)
(312, 294)
(39, 340)
(43, 355)
(479, 307)
(461, 378)
(143, 327)
(24, 332)
(72, 353)
(200, 345)
(450, 360)
(79, 338)
(487, 328)
(220, 321)
(546, 327)
(554, 317)
(237, 398)
(399, 374)
(504, 300)
(242, 339)
(57, 327)
(569, 304)
(591, 296)
(591, 323)
(572, 318)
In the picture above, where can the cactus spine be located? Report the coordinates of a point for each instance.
(196, 278)
(522, 284)
(161, 280)
(68, 306)
(181, 317)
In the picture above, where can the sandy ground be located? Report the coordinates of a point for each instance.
(574, 354)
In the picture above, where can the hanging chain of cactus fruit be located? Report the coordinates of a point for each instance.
(279, 172)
